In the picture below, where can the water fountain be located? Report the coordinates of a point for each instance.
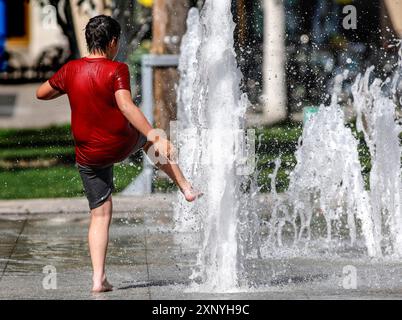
(327, 197)
(376, 115)
(215, 111)
(326, 190)
(186, 125)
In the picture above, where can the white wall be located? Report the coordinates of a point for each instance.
(274, 96)
(44, 30)
(81, 15)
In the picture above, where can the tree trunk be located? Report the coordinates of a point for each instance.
(242, 22)
(169, 25)
(275, 99)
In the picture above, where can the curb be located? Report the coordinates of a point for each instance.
(154, 202)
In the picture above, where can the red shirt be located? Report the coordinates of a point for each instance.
(102, 134)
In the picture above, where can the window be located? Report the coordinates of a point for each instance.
(17, 21)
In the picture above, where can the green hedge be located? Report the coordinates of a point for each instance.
(29, 138)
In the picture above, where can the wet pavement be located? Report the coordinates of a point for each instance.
(147, 260)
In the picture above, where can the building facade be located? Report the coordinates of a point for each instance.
(33, 42)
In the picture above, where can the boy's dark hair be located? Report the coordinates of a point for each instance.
(100, 31)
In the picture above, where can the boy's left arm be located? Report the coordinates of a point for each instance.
(135, 116)
(46, 92)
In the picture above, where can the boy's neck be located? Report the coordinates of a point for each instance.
(94, 56)
(98, 54)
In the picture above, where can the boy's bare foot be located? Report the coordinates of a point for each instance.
(190, 194)
(105, 286)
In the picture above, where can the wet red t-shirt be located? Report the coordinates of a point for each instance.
(102, 134)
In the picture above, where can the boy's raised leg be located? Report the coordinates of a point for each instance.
(98, 238)
(174, 173)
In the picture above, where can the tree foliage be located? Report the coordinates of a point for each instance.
(135, 21)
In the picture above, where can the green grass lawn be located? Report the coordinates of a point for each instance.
(34, 153)
(54, 182)
(60, 178)
(33, 138)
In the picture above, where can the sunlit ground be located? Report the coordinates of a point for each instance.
(148, 261)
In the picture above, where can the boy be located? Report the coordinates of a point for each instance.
(107, 127)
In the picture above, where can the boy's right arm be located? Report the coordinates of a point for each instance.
(135, 116)
(46, 92)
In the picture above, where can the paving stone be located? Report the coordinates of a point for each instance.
(147, 260)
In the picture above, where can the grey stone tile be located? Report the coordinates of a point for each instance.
(148, 261)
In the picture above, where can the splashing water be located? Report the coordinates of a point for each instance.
(326, 189)
(187, 133)
(326, 195)
(376, 115)
(215, 114)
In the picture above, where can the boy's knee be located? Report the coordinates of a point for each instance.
(103, 211)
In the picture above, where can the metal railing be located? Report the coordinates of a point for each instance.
(143, 183)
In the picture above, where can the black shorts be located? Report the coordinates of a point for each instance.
(98, 182)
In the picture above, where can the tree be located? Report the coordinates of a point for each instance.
(135, 21)
(169, 25)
